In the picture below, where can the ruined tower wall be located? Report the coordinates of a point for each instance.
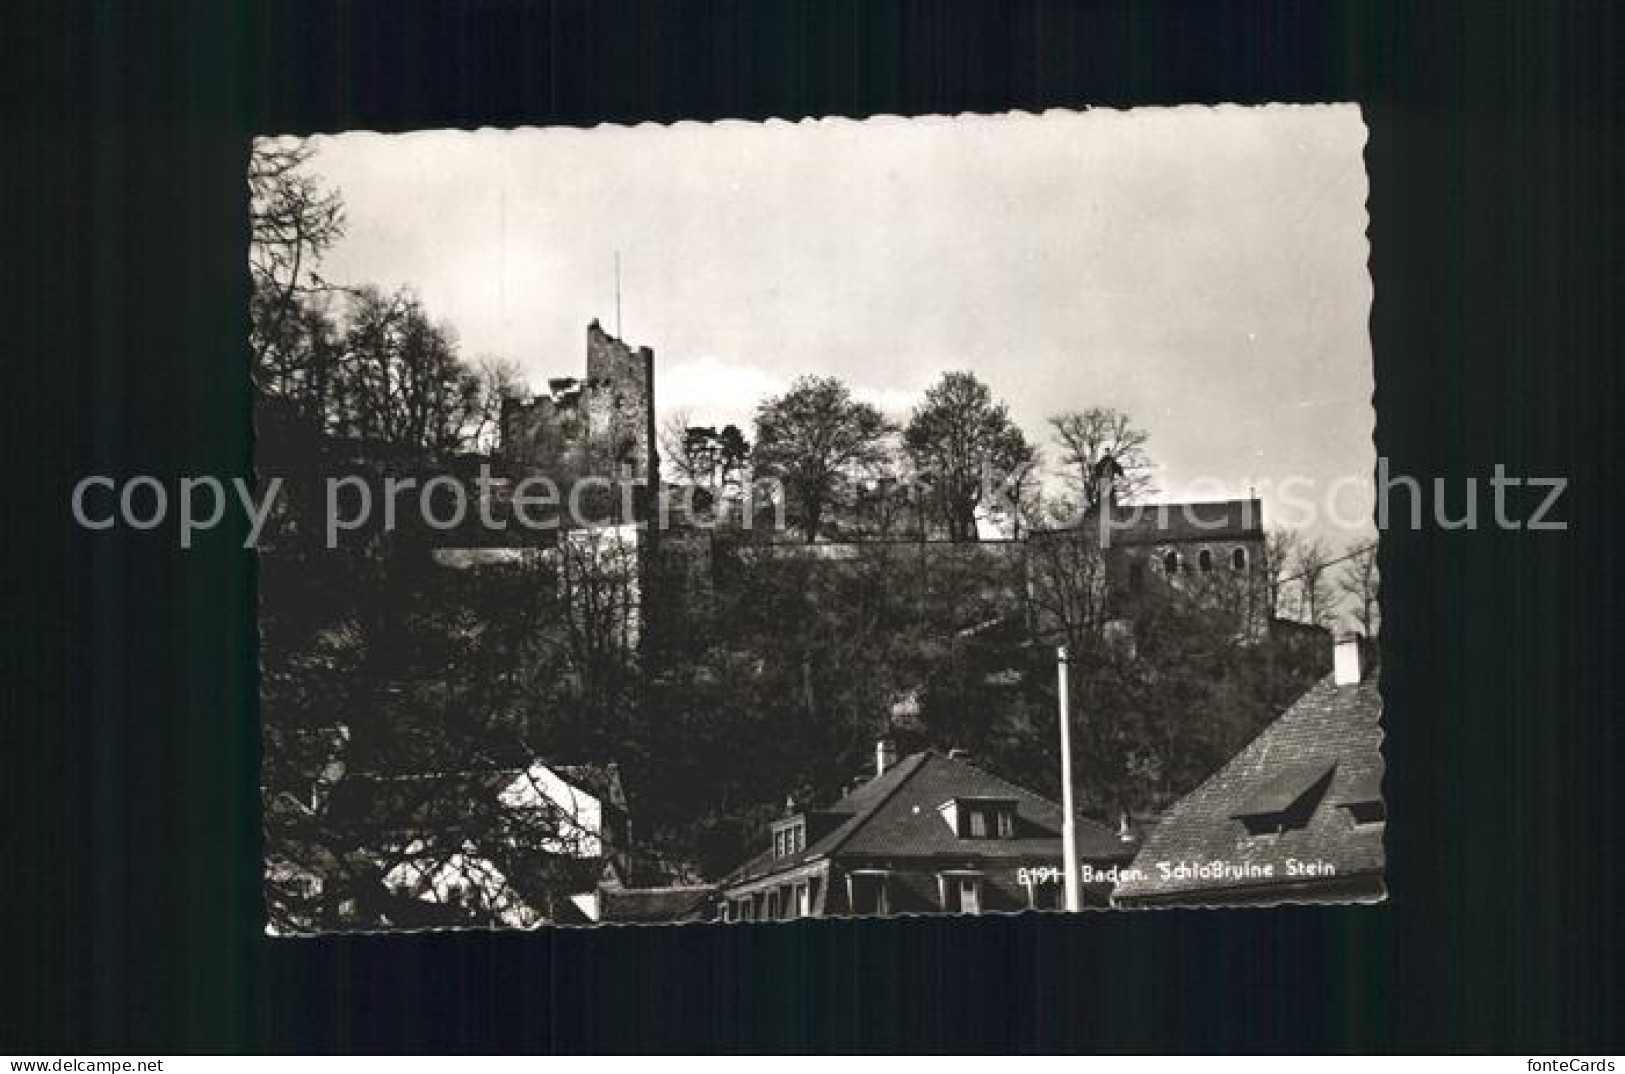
(617, 402)
(544, 434)
(603, 426)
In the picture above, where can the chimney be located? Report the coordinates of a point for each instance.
(1346, 661)
(885, 755)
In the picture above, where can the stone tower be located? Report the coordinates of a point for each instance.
(602, 426)
(618, 403)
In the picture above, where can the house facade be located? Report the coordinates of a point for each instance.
(928, 834)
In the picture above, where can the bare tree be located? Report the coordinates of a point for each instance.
(962, 442)
(422, 808)
(402, 382)
(1020, 498)
(1317, 603)
(1105, 454)
(1279, 552)
(674, 448)
(1360, 582)
(815, 440)
(293, 221)
(500, 380)
(600, 610)
(1066, 580)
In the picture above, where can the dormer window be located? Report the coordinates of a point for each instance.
(790, 837)
(980, 818)
(1288, 801)
(1367, 814)
(1362, 799)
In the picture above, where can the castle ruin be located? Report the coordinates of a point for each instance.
(602, 426)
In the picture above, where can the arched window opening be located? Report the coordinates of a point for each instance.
(1204, 560)
(1238, 559)
(1170, 563)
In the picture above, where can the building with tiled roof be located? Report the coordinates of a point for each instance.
(1297, 815)
(648, 906)
(1198, 521)
(1212, 551)
(928, 834)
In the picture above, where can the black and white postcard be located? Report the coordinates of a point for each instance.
(750, 522)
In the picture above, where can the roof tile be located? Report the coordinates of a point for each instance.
(1330, 726)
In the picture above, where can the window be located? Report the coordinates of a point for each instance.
(970, 895)
(790, 839)
(961, 892)
(1204, 561)
(1367, 814)
(1288, 800)
(1363, 799)
(1238, 559)
(1170, 564)
(868, 893)
(980, 817)
(1042, 895)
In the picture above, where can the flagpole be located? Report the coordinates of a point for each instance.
(1069, 834)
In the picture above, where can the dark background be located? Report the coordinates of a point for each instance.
(127, 668)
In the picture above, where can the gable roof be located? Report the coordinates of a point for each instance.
(602, 781)
(896, 815)
(1331, 730)
(1159, 523)
(645, 905)
(1218, 520)
(450, 804)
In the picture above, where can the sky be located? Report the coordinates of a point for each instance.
(1202, 269)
